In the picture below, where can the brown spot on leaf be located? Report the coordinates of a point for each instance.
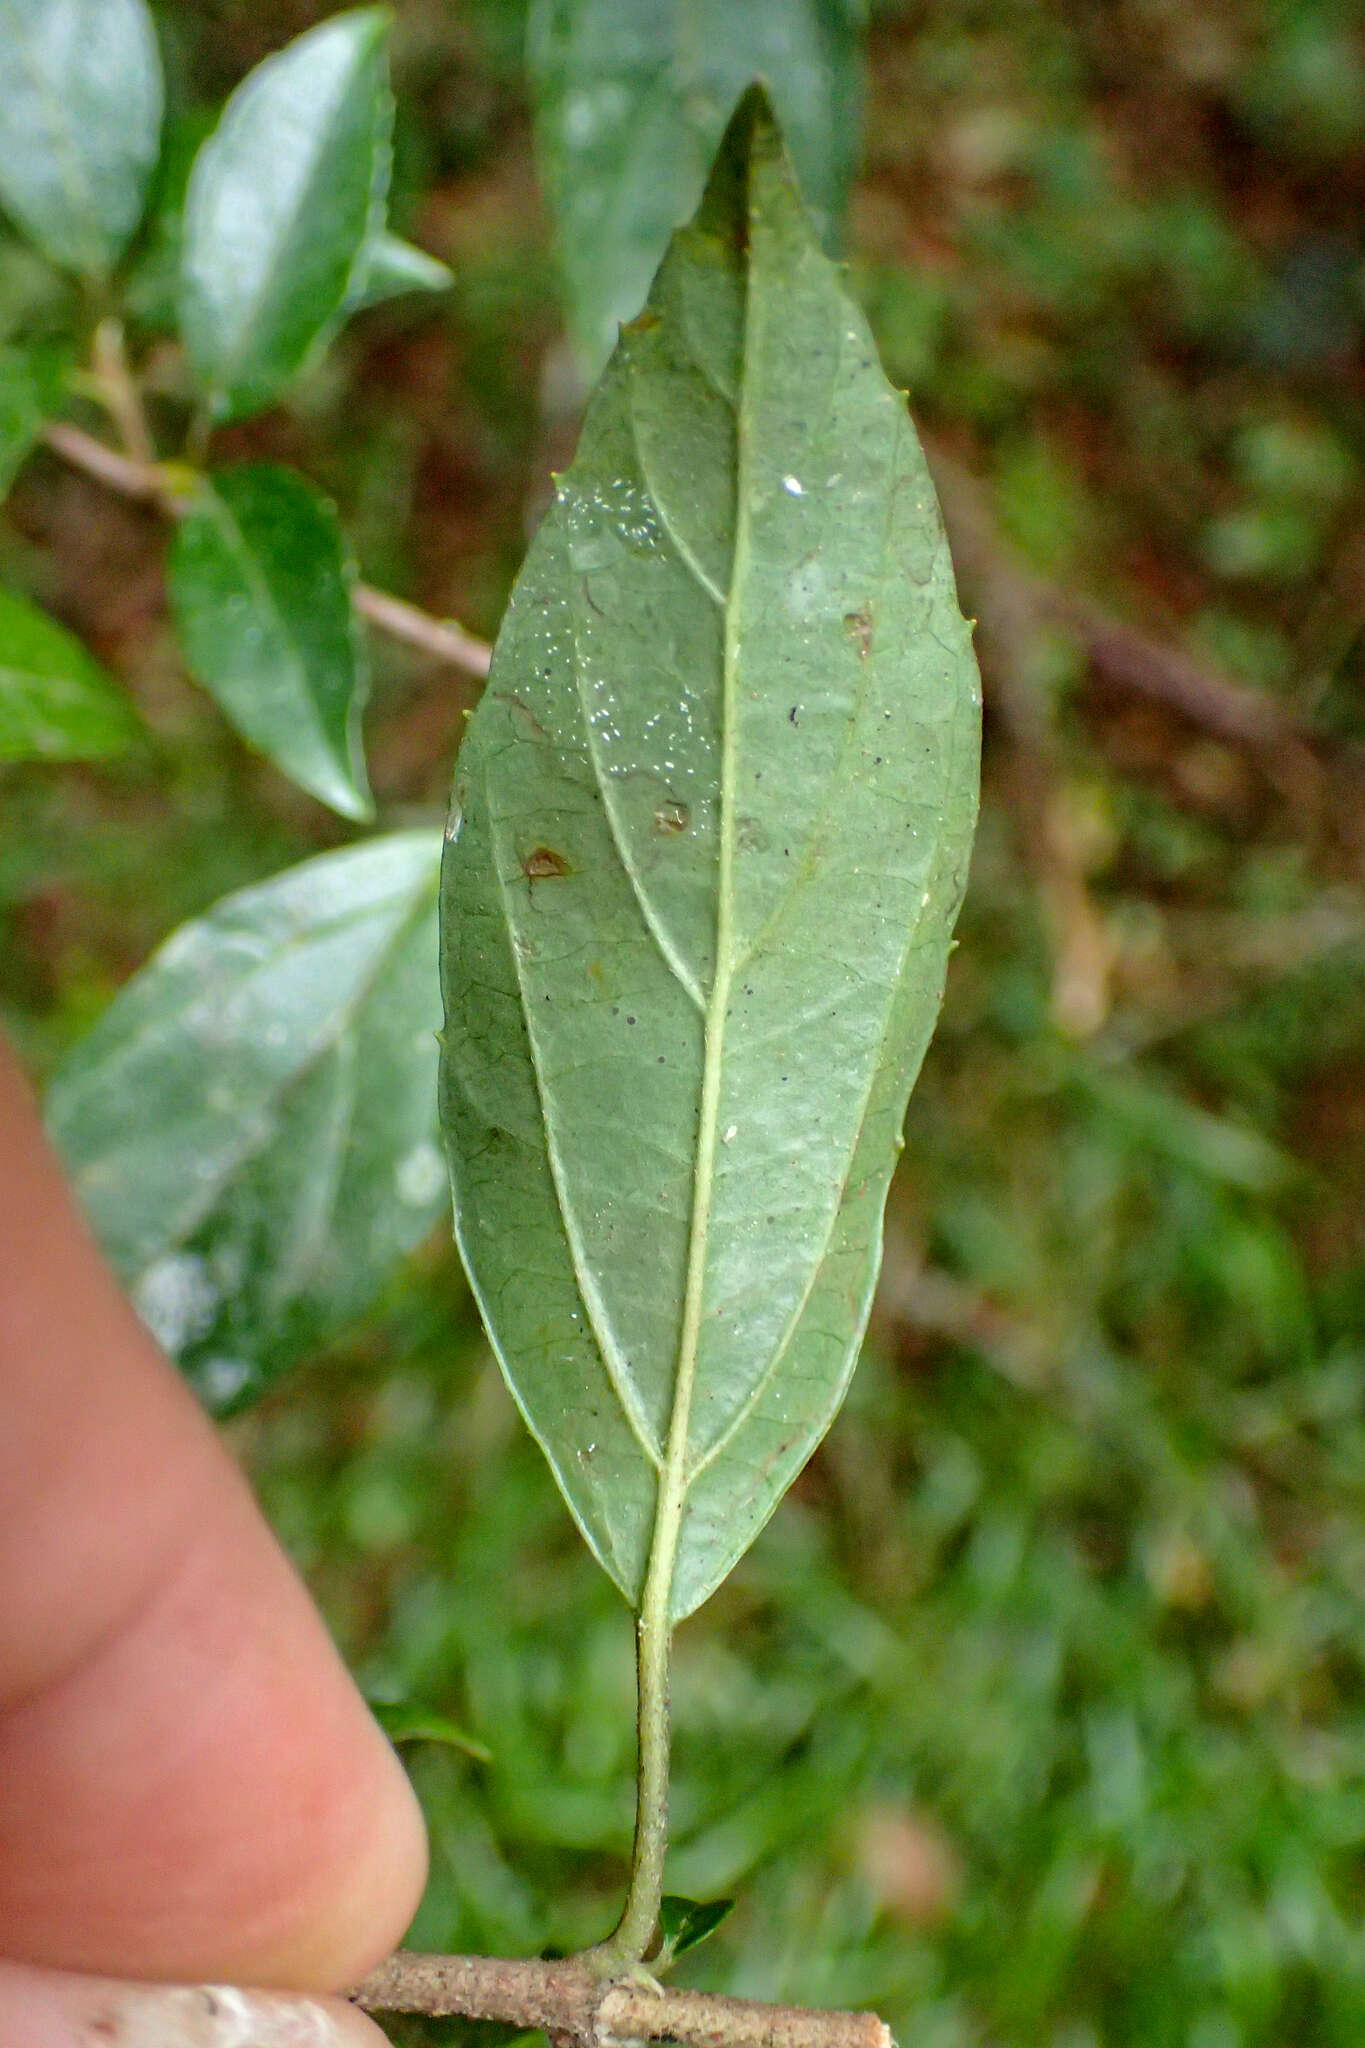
(672, 817)
(543, 864)
(859, 625)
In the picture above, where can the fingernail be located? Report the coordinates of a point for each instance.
(49, 2009)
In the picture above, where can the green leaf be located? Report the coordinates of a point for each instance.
(260, 582)
(285, 200)
(56, 702)
(80, 119)
(32, 386)
(251, 1125)
(714, 814)
(630, 101)
(391, 268)
(151, 283)
(685, 1924)
(402, 1721)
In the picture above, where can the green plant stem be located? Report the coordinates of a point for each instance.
(654, 1634)
(639, 1918)
(629, 1944)
(444, 638)
(116, 388)
(198, 435)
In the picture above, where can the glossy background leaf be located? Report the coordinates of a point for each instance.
(631, 97)
(405, 1721)
(150, 286)
(80, 120)
(284, 198)
(251, 1125)
(31, 391)
(260, 582)
(56, 702)
(390, 268)
(714, 818)
(686, 1923)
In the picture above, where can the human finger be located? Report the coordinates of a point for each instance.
(51, 2009)
(190, 1785)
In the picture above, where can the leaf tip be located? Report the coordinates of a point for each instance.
(686, 1923)
(372, 25)
(753, 137)
(406, 1721)
(351, 801)
(753, 116)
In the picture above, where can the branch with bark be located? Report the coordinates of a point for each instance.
(581, 2010)
(1015, 609)
(1122, 654)
(163, 487)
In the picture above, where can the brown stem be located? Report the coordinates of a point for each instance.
(569, 2003)
(1123, 654)
(118, 392)
(163, 486)
(441, 637)
(1014, 607)
(1149, 668)
(141, 480)
(1008, 604)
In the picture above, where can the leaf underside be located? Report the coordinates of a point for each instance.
(713, 822)
(251, 1128)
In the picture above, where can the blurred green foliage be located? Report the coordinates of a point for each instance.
(1037, 1715)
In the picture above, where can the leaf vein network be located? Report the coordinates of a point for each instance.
(654, 924)
(594, 1307)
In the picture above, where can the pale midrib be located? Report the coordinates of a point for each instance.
(300, 1256)
(589, 1293)
(674, 1479)
(774, 1364)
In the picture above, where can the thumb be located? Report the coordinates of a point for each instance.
(48, 2009)
(190, 1785)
